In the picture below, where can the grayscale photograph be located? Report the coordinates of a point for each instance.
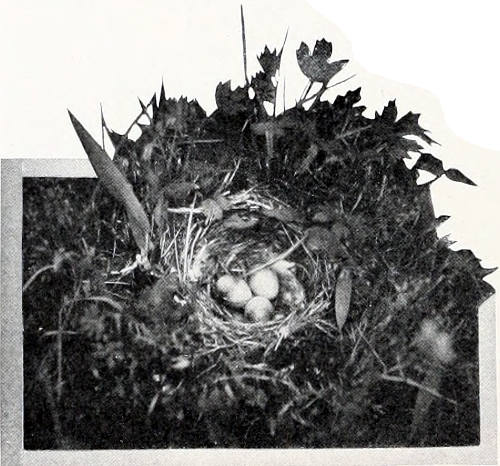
(264, 272)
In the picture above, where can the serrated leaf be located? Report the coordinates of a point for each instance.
(456, 175)
(263, 87)
(343, 291)
(316, 66)
(232, 102)
(408, 125)
(430, 164)
(389, 113)
(116, 184)
(269, 61)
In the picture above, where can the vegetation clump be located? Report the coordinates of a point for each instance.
(250, 280)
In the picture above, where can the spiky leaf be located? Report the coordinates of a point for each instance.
(116, 184)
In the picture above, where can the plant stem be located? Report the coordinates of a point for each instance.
(323, 89)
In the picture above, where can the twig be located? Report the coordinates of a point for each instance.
(413, 383)
(244, 40)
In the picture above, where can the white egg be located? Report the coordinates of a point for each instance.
(259, 309)
(239, 295)
(225, 284)
(265, 283)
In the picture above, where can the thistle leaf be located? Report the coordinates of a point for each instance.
(116, 184)
(343, 290)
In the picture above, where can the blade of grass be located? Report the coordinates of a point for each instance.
(116, 184)
(244, 40)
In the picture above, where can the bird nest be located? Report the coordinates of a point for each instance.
(249, 243)
(318, 220)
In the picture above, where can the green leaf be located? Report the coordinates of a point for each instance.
(316, 65)
(116, 184)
